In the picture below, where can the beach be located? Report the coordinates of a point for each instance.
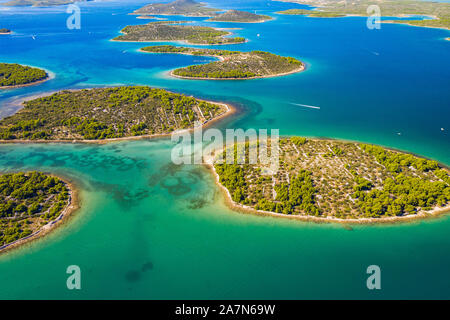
(73, 205)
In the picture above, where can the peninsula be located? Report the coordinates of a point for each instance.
(15, 75)
(437, 14)
(161, 31)
(107, 113)
(240, 16)
(188, 8)
(336, 180)
(30, 204)
(233, 65)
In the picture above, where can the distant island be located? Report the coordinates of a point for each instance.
(438, 12)
(312, 13)
(232, 65)
(187, 8)
(39, 3)
(336, 180)
(240, 16)
(107, 113)
(174, 31)
(31, 203)
(5, 31)
(15, 75)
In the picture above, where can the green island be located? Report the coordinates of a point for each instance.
(39, 3)
(232, 64)
(312, 13)
(4, 31)
(240, 16)
(438, 12)
(13, 75)
(174, 31)
(29, 201)
(107, 113)
(187, 8)
(334, 179)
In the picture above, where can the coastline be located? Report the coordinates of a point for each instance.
(230, 110)
(412, 25)
(134, 13)
(221, 58)
(258, 21)
(392, 21)
(184, 41)
(73, 205)
(48, 77)
(237, 207)
(302, 68)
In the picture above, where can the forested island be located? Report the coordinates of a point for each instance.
(187, 8)
(107, 113)
(337, 180)
(312, 13)
(232, 64)
(437, 12)
(240, 16)
(28, 202)
(4, 31)
(176, 31)
(15, 75)
(39, 3)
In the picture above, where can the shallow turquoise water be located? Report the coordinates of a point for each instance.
(148, 229)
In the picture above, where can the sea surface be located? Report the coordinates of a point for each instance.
(150, 229)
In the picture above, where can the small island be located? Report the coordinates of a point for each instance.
(107, 114)
(312, 13)
(13, 75)
(39, 3)
(240, 16)
(233, 65)
(188, 8)
(5, 31)
(31, 203)
(161, 31)
(438, 13)
(336, 181)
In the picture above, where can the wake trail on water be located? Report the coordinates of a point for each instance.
(305, 105)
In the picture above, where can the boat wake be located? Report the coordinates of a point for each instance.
(305, 106)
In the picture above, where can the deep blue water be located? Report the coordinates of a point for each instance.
(388, 86)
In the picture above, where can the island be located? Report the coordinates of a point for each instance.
(312, 13)
(107, 114)
(161, 31)
(437, 13)
(240, 16)
(32, 203)
(188, 8)
(39, 3)
(233, 65)
(13, 75)
(330, 180)
(5, 31)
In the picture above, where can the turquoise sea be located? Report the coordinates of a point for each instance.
(149, 229)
